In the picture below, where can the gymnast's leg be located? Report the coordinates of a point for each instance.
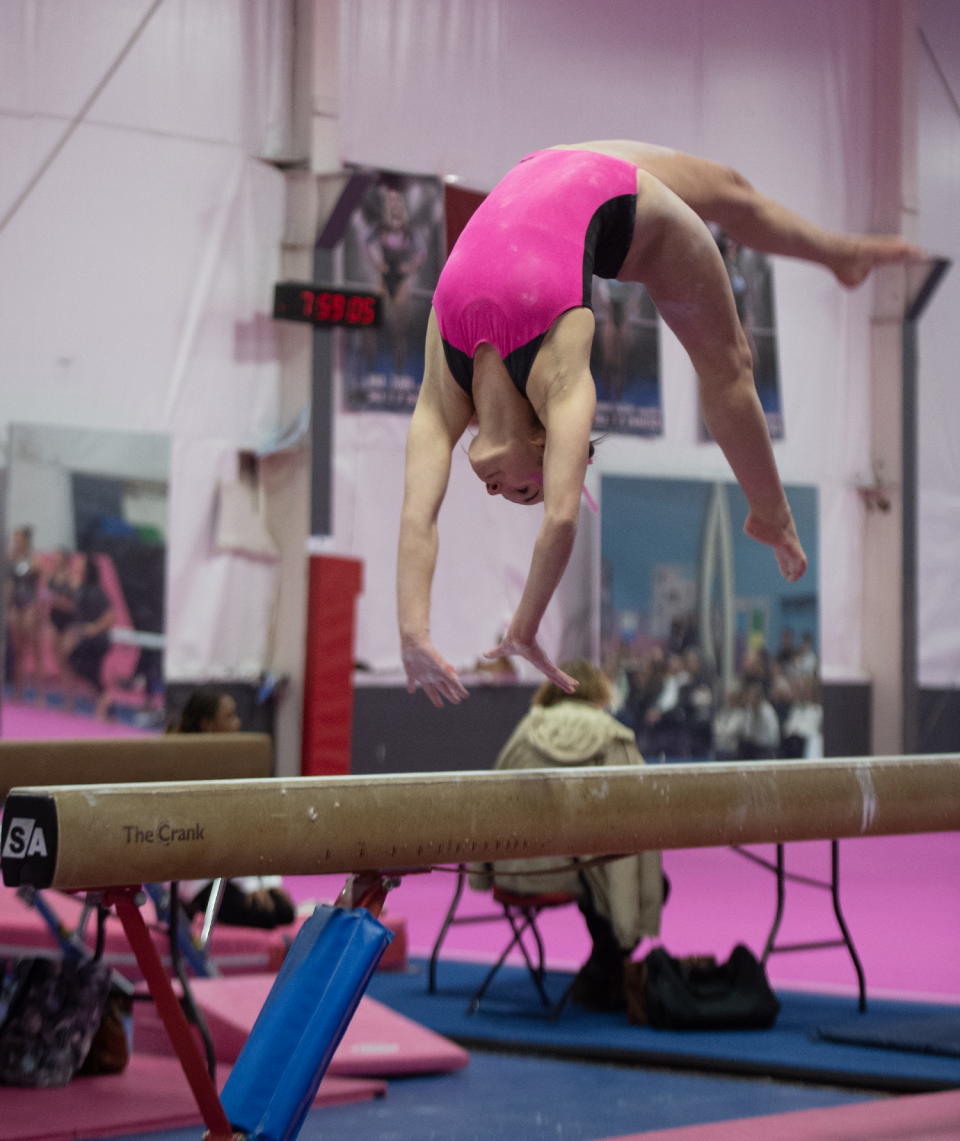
(722, 195)
(719, 194)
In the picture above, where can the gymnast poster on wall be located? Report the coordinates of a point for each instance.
(394, 244)
(625, 359)
(751, 278)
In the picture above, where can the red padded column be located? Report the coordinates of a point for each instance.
(328, 683)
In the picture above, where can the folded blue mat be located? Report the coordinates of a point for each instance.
(274, 1081)
(927, 1034)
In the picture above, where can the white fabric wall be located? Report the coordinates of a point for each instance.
(153, 235)
(466, 87)
(939, 145)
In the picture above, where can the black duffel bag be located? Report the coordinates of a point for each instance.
(700, 994)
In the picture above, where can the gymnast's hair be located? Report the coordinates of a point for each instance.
(201, 706)
(592, 686)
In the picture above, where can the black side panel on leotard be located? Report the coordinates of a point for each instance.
(460, 365)
(520, 362)
(608, 240)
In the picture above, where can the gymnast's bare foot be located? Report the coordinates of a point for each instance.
(782, 536)
(865, 252)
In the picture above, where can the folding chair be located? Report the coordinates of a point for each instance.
(521, 913)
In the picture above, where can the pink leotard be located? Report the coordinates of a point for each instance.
(528, 255)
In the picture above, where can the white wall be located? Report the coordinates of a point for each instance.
(939, 386)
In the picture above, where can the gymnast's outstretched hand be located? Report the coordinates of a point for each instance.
(512, 645)
(436, 677)
(782, 536)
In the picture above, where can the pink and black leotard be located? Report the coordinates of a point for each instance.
(529, 253)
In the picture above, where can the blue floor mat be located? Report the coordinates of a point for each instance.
(505, 1098)
(511, 1018)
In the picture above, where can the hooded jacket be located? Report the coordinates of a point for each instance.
(628, 892)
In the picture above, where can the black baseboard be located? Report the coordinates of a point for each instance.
(939, 718)
(398, 732)
(847, 710)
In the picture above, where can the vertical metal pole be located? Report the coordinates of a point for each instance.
(321, 471)
(911, 734)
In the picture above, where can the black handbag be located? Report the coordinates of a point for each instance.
(698, 994)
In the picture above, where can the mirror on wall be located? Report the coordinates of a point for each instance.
(86, 538)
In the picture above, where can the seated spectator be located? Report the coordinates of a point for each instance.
(728, 723)
(620, 900)
(781, 693)
(696, 699)
(251, 901)
(87, 641)
(756, 668)
(805, 664)
(644, 685)
(665, 718)
(760, 730)
(803, 728)
(787, 651)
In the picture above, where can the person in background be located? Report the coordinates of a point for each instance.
(23, 610)
(63, 614)
(760, 731)
(697, 699)
(665, 718)
(803, 728)
(252, 901)
(805, 664)
(87, 641)
(620, 900)
(781, 692)
(728, 723)
(787, 651)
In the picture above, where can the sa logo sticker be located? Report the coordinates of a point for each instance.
(24, 839)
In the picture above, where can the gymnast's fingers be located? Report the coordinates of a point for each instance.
(431, 692)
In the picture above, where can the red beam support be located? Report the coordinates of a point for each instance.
(170, 1011)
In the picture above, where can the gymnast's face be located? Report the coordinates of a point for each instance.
(515, 472)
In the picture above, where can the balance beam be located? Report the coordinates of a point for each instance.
(97, 836)
(127, 760)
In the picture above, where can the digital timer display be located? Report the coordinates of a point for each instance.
(325, 305)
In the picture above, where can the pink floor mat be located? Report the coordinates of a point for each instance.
(234, 950)
(378, 1042)
(150, 1094)
(927, 1117)
(900, 895)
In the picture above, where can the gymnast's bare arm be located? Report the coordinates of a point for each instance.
(440, 418)
(563, 395)
(675, 256)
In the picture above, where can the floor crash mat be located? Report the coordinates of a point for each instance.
(929, 1117)
(379, 1042)
(151, 1093)
(937, 1033)
(511, 1017)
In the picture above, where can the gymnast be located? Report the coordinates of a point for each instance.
(508, 349)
